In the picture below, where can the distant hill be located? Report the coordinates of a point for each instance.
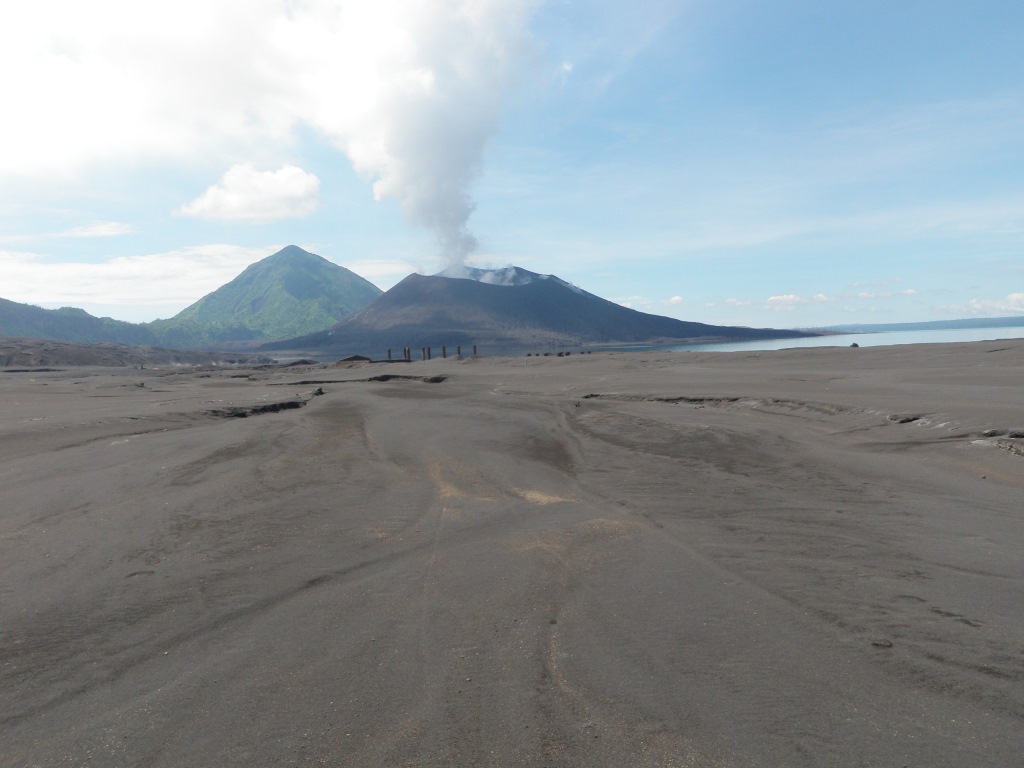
(512, 307)
(17, 354)
(931, 325)
(68, 324)
(290, 293)
(287, 294)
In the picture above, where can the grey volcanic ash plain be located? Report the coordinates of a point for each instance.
(795, 558)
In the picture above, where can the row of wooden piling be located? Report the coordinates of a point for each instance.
(426, 353)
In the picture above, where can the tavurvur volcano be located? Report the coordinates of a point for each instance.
(502, 309)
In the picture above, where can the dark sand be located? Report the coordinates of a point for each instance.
(797, 558)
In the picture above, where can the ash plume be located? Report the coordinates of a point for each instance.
(430, 99)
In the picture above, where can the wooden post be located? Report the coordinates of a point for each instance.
(444, 351)
(474, 350)
(428, 353)
(423, 353)
(458, 351)
(389, 354)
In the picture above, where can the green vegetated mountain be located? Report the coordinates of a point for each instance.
(68, 324)
(290, 293)
(505, 308)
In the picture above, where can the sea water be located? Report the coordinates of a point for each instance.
(882, 339)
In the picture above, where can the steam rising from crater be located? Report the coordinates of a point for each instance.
(428, 98)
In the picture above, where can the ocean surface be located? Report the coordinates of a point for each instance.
(889, 338)
(879, 339)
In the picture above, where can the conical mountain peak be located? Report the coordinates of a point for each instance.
(288, 293)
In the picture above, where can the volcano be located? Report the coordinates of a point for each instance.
(286, 294)
(510, 308)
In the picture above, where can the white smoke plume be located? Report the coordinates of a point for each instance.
(410, 90)
(430, 98)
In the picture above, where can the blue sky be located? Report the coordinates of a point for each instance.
(784, 163)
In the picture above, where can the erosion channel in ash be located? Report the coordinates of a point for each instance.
(795, 558)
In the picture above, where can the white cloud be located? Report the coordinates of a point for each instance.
(563, 73)
(94, 230)
(736, 302)
(675, 300)
(160, 283)
(790, 301)
(113, 81)
(410, 90)
(885, 294)
(13, 260)
(99, 229)
(785, 302)
(244, 193)
(1012, 304)
(640, 303)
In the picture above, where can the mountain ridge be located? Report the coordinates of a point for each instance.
(537, 310)
(1013, 321)
(68, 324)
(287, 293)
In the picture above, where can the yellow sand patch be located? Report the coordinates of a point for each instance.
(539, 497)
(432, 561)
(554, 543)
(559, 543)
(456, 481)
(447, 490)
(603, 526)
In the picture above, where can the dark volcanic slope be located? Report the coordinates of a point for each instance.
(442, 310)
